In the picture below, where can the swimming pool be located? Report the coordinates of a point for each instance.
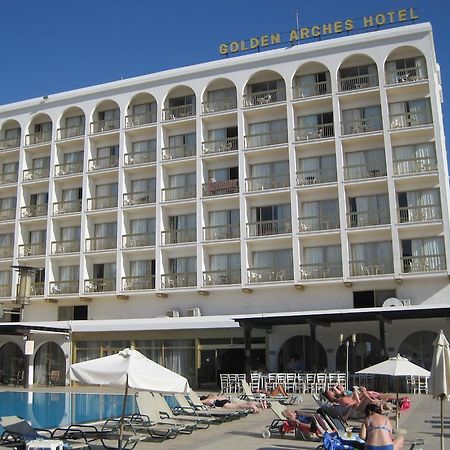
(48, 409)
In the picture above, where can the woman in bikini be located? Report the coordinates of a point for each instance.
(376, 430)
(219, 401)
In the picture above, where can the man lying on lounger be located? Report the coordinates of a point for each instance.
(223, 402)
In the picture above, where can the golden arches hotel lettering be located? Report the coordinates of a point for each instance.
(316, 31)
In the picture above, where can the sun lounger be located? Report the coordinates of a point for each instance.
(190, 410)
(261, 397)
(197, 403)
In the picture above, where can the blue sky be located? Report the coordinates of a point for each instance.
(50, 46)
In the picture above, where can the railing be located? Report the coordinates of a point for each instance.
(179, 236)
(5, 290)
(37, 288)
(136, 283)
(358, 82)
(32, 249)
(221, 277)
(105, 162)
(63, 247)
(176, 280)
(139, 198)
(101, 203)
(69, 168)
(321, 270)
(225, 187)
(316, 176)
(69, 132)
(216, 232)
(371, 267)
(308, 133)
(6, 251)
(136, 120)
(410, 119)
(178, 151)
(422, 263)
(406, 75)
(101, 243)
(38, 138)
(99, 284)
(312, 89)
(10, 143)
(36, 174)
(269, 227)
(33, 211)
(8, 214)
(415, 165)
(72, 206)
(267, 274)
(360, 171)
(267, 182)
(179, 193)
(139, 157)
(179, 112)
(359, 126)
(316, 223)
(422, 213)
(219, 105)
(368, 218)
(102, 126)
(263, 139)
(220, 145)
(64, 287)
(138, 240)
(8, 177)
(265, 97)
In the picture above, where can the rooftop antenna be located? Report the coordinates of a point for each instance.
(297, 23)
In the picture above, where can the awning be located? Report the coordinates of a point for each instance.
(23, 328)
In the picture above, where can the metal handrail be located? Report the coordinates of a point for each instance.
(423, 263)
(220, 145)
(94, 203)
(71, 206)
(221, 277)
(135, 283)
(178, 151)
(316, 176)
(69, 168)
(64, 287)
(139, 198)
(269, 274)
(371, 267)
(38, 138)
(34, 211)
(410, 119)
(105, 162)
(36, 173)
(62, 247)
(9, 177)
(317, 223)
(138, 240)
(70, 132)
(103, 126)
(136, 120)
(213, 106)
(415, 165)
(360, 171)
(312, 89)
(179, 112)
(10, 143)
(269, 227)
(99, 284)
(419, 213)
(321, 270)
(406, 75)
(311, 132)
(139, 157)
(212, 188)
(7, 251)
(34, 249)
(179, 236)
(363, 125)
(8, 214)
(5, 290)
(368, 218)
(216, 232)
(101, 243)
(179, 193)
(263, 139)
(267, 182)
(358, 82)
(176, 280)
(37, 288)
(262, 98)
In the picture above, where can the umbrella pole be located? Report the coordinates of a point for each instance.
(397, 409)
(442, 421)
(122, 419)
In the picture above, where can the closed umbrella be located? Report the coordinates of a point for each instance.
(440, 375)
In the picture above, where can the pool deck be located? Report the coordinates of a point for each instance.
(420, 421)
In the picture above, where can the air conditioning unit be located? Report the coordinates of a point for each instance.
(194, 312)
(390, 302)
(173, 313)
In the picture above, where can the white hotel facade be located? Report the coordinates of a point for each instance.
(305, 183)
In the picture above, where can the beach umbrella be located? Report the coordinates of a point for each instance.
(129, 368)
(440, 375)
(397, 366)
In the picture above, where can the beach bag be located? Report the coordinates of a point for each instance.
(404, 403)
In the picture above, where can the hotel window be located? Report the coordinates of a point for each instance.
(41, 163)
(419, 206)
(223, 225)
(372, 258)
(5, 283)
(410, 113)
(423, 254)
(182, 101)
(8, 203)
(313, 84)
(6, 245)
(318, 169)
(369, 210)
(358, 77)
(143, 226)
(224, 174)
(220, 100)
(365, 164)
(322, 262)
(72, 160)
(74, 126)
(362, 120)
(271, 265)
(108, 191)
(414, 158)
(181, 186)
(146, 186)
(39, 199)
(69, 273)
(268, 175)
(110, 115)
(105, 236)
(44, 128)
(183, 272)
(182, 228)
(406, 69)
(142, 274)
(37, 240)
(275, 90)
(267, 133)
(104, 271)
(10, 171)
(70, 234)
(72, 195)
(184, 179)
(370, 299)
(224, 269)
(222, 139)
(79, 312)
(315, 126)
(13, 135)
(181, 146)
(146, 110)
(269, 220)
(320, 215)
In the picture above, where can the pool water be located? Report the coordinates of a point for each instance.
(48, 409)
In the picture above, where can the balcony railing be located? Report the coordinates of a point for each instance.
(317, 223)
(371, 267)
(212, 188)
(7, 214)
(102, 126)
(179, 236)
(64, 287)
(179, 193)
(178, 151)
(407, 75)
(138, 240)
(95, 203)
(37, 288)
(101, 243)
(368, 218)
(139, 158)
(269, 274)
(139, 198)
(316, 176)
(269, 227)
(219, 105)
(322, 131)
(105, 162)
(312, 89)
(361, 171)
(72, 206)
(69, 168)
(410, 119)
(359, 126)
(321, 270)
(268, 182)
(137, 283)
(99, 284)
(63, 247)
(220, 145)
(10, 143)
(69, 132)
(38, 138)
(358, 82)
(32, 249)
(221, 277)
(6, 251)
(8, 177)
(136, 120)
(179, 112)
(415, 165)
(263, 139)
(216, 232)
(177, 280)
(265, 97)
(5, 290)
(423, 213)
(36, 174)
(34, 211)
(422, 263)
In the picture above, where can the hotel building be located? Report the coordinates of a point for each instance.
(302, 190)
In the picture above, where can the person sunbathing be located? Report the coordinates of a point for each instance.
(219, 401)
